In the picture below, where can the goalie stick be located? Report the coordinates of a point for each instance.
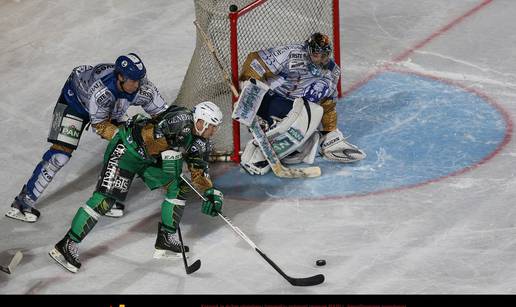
(13, 263)
(196, 265)
(279, 169)
(306, 281)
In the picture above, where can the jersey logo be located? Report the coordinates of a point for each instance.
(297, 61)
(103, 97)
(296, 65)
(316, 91)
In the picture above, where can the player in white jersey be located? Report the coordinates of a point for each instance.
(298, 74)
(98, 95)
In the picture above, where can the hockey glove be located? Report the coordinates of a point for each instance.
(214, 202)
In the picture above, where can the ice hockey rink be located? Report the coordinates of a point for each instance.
(429, 94)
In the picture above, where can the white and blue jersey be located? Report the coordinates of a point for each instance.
(92, 92)
(293, 76)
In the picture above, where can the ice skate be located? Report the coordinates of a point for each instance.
(66, 253)
(167, 244)
(21, 208)
(117, 210)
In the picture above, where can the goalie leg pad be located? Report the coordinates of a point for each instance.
(306, 153)
(288, 135)
(334, 147)
(296, 128)
(253, 161)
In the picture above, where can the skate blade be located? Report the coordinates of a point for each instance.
(59, 258)
(18, 215)
(115, 213)
(166, 254)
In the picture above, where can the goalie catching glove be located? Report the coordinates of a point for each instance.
(214, 202)
(333, 147)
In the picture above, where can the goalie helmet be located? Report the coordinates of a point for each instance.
(175, 124)
(209, 112)
(319, 43)
(130, 66)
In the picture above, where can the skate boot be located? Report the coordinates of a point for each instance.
(21, 208)
(116, 211)
(66, 253)
(167, 244)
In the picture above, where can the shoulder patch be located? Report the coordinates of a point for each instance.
(103, 69)
(103, 97)
(258, 68)
(199, 146)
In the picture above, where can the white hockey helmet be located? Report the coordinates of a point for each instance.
(209, 112)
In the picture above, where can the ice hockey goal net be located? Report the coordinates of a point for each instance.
(254, 25)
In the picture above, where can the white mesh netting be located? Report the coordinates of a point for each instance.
(271, 23)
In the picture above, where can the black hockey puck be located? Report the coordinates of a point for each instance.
(233, 8)
(320, 262)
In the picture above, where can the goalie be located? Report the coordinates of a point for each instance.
(293, 89)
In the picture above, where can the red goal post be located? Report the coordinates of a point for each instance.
(256, 24)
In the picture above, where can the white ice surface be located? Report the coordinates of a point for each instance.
(457, 235)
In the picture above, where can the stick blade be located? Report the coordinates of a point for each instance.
(194, 267)
(307, 281)
(287, 172)
(13, 263)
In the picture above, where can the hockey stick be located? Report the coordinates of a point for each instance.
(306, 281)
(196, 265)
(279, 169)
(13, 264)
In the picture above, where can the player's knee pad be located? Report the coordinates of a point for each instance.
(52, 161)
(99, 204)
(334, 147)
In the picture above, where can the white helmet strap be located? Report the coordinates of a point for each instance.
(204, 127)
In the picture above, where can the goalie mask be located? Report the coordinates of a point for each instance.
(175, 124)
(209, 112)
(318, 45)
